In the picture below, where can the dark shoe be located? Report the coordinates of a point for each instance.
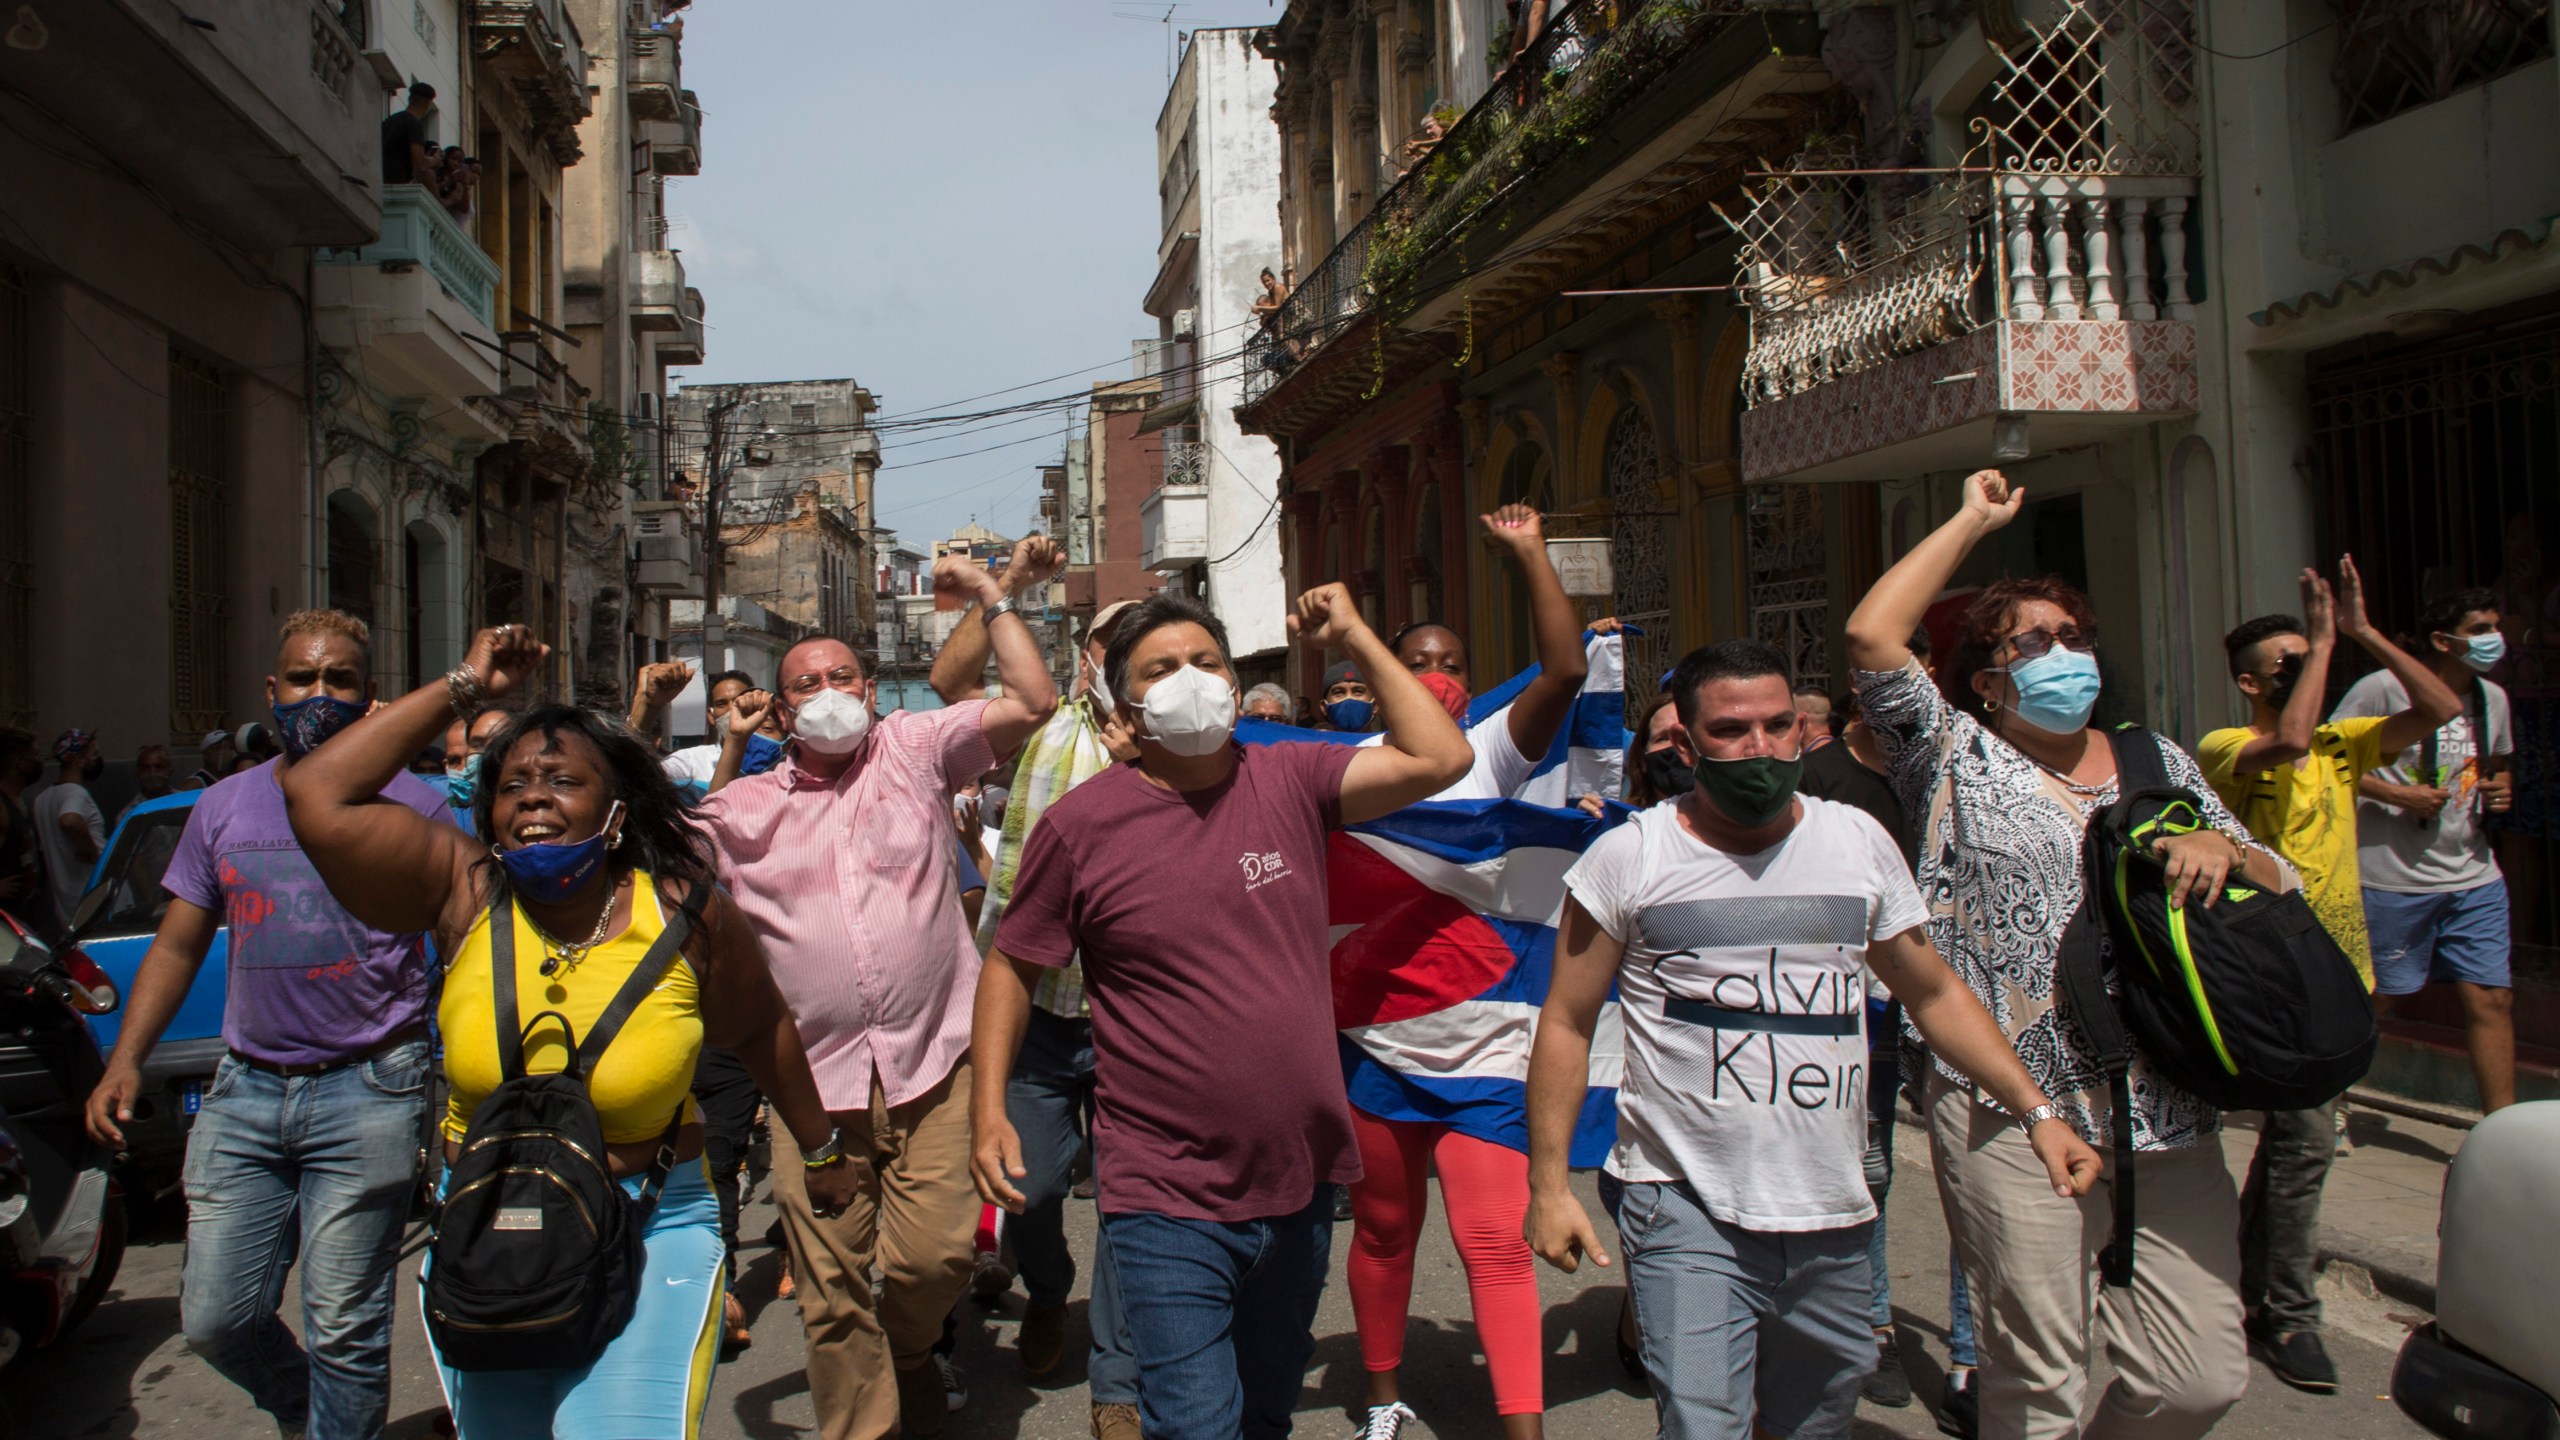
(1960, 1406)
(1115, 1422)
(2299, 1360)
(1043, 1339)
(1887, 1385)
(1083, 1190)
(989, 1278)
(1341, 1203)
(922, 1409)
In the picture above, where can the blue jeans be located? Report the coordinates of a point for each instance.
(2459, 935)
(1960, 1349)
(1884, 1081)
(1222, 1316)
(1049, 1097)
(654, 1381)
(319, 1167)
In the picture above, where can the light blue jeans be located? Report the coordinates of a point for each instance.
(654, 1381)
(319, 1167)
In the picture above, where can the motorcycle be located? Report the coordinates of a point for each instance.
(62, 1215)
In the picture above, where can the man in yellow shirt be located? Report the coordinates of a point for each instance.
(2292, 780)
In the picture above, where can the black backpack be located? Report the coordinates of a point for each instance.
(537, 1251)
(2249, 1004)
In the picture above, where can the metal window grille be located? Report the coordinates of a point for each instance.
(2396, 55)
(199, 604)
(2437, 466)
(17, 568)
(1790, 593)
(1639, 546)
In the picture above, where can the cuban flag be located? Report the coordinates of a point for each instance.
(1444, 929)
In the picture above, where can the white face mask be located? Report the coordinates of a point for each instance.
(831, 722)
(1096, 686)
(1190, 712)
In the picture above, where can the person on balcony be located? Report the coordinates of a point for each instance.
(457, 183)
(408, 146)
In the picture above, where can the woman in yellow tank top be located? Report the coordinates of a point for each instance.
(594, 853)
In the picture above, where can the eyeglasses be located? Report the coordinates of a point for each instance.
(2033, 644)
(843, 677)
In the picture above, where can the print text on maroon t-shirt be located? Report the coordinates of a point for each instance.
(1201, 921)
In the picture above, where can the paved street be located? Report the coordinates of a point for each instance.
(130, 1375)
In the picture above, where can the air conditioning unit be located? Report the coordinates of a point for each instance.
(1186, 323)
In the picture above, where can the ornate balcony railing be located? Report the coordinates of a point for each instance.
(2073, 206)
(1186, 462)
(417, 230)
(1592, 59)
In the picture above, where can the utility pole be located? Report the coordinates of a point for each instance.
(715, 476)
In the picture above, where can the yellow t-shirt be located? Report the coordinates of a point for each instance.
(2306, 812)
(645, 1077)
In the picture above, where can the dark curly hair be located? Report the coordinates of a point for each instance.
(1986, 625)
(659, 834)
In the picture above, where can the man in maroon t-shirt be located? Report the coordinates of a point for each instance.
(1193, 884)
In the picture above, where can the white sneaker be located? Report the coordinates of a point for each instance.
(1385, 1422)
(955, 1382)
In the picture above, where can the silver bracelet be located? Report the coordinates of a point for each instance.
(464, 691)
(1004, 606)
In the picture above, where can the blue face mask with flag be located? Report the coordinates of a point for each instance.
(462, 786)
(302, 726)
(1350, 714)
(552, 873)
(763, 753)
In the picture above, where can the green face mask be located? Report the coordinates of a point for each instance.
(1750, 792)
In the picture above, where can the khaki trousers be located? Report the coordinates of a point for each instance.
(915, 1215)
(2031, 1261)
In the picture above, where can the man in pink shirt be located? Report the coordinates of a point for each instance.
(841, 858)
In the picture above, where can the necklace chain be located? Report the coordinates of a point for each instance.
(564, 956)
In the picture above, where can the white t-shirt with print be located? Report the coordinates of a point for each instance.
(1743, 989)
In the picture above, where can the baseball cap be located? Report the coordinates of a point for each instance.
(1341, 671)
(72, 741)
(213, 738)
(1103, 617)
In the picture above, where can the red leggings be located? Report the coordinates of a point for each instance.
(1486, 1190)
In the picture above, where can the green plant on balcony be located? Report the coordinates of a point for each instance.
(613, 459)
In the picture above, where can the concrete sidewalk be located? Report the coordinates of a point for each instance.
(2380, 1210)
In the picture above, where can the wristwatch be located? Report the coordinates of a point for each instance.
(1004, 606)
(2033, 1118)
(832, 1153)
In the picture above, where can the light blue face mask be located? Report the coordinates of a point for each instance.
(2483, 652)
(462, 786)
(2057, 690)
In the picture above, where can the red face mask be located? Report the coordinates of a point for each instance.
(1449, 690)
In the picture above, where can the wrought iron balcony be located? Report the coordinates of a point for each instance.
(1592, 62)
(1895, 314)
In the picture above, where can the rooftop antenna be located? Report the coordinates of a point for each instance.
(1147, 14)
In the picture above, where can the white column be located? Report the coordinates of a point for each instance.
(2059, 302)
(2173, 258)
(2133, 213)
(2024, 301)
(2094, 235)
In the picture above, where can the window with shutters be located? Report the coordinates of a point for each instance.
(199, 466)
(17, 569)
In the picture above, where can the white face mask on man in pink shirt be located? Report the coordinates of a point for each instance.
(831, 722)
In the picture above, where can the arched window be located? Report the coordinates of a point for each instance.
(353, 556)
(1639, 546)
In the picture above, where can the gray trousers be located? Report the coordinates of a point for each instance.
(1735, 1322)
(2280, 1218)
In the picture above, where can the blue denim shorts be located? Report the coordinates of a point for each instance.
(2438, 936)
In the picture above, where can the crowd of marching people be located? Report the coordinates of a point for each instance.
(1241, 955)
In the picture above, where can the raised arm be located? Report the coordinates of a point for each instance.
(657, 683)
(393, 868)
(1880, 628)
(1586, 961)
(2432, 703)
(1540, 710)
(962, 665)
(2298, 723)
(1963, 1034)
(1425, 751)
(745, 714)
(1029, 697)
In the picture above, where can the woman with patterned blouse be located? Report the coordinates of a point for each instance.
(1997, 764)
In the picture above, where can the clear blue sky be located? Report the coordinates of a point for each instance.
(939, 200)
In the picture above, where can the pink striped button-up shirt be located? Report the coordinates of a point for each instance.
(850, 885)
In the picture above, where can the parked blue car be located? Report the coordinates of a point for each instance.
(117, 916)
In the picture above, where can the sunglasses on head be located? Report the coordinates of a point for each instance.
(2038, 642)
